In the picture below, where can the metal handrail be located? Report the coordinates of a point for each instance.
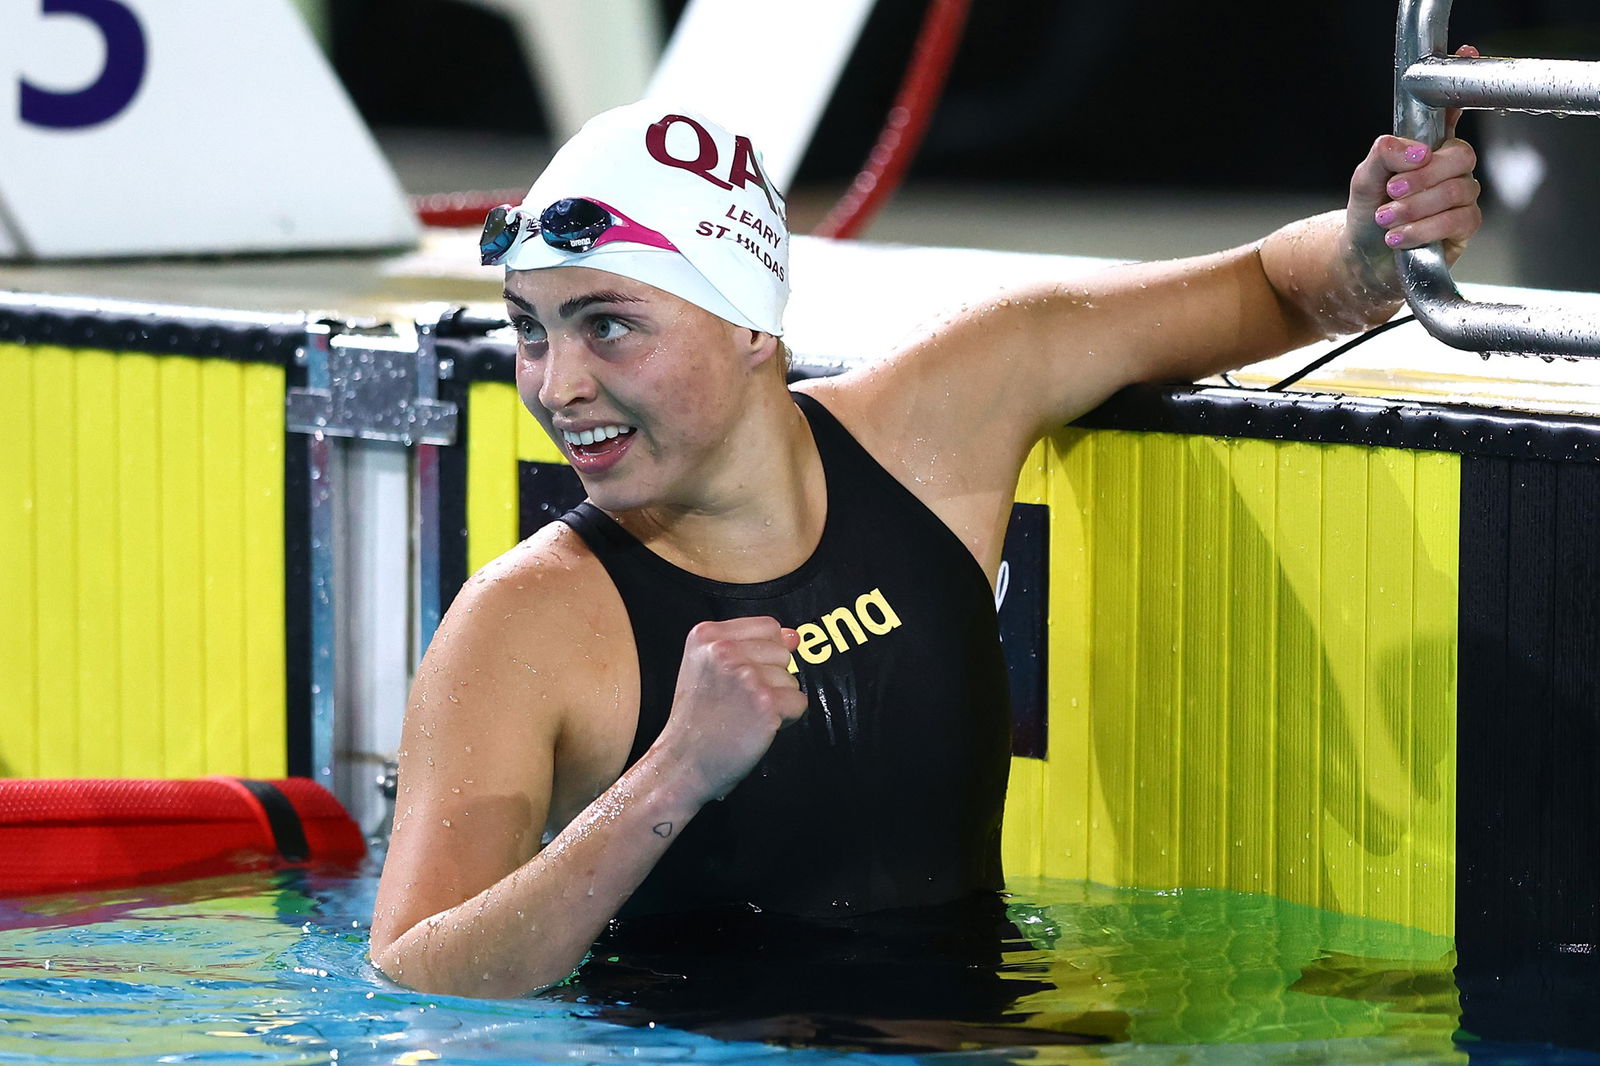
(1426, 82)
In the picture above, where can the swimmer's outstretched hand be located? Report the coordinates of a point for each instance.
(1406, 194)
(734, 693)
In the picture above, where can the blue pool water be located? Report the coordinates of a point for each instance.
(271, 968)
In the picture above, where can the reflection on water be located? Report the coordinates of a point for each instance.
(271, 968)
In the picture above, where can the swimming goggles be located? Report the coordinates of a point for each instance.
(575, 224)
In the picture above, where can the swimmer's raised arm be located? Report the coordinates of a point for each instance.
(954, 413)
(500, 738)
(1064, 348)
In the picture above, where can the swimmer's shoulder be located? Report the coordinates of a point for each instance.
(847, 397)
(530, 619)
(923, 431)
(865, 402)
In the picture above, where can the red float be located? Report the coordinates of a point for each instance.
(64, 834)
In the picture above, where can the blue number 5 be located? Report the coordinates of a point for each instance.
(118, 82)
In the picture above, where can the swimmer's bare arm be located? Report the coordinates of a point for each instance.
(954, 413)
(1056, 351)
(468, 904)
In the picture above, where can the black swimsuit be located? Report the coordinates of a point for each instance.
(845, 893)
(888, 792)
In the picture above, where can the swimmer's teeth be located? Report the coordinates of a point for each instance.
(590, 436)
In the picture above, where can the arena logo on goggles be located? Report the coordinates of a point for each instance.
(742, 169)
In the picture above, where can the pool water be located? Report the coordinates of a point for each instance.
(271, 967)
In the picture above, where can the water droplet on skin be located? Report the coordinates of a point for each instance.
(445, 822)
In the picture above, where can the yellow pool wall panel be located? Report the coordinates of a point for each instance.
(500, 434)
(142, 611)
(1252, 672)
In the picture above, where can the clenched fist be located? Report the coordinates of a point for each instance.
(734, 693)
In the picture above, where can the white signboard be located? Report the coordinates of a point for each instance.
(164, 127)
(765, 70)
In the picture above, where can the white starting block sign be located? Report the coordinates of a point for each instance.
(778, 110)
(166, 127)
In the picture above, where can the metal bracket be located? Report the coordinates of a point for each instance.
(1426, 83)
(373, 388)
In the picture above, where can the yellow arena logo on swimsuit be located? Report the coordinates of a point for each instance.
(842, 628)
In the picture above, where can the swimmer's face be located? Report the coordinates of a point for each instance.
(656, 383)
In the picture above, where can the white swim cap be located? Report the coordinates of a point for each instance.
(665, 196)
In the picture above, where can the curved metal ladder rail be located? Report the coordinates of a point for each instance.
(1426, 82)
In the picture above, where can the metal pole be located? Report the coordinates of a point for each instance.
(324, 632)
(427, 518)
(1426, 83)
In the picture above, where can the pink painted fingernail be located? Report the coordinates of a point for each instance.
(1394, 238)
(1399, 187)
(1416, 153)
(1385, 216)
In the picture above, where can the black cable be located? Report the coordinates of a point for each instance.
(1331, 356)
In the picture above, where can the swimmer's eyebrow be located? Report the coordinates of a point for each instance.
(605, 296)
(576, 304)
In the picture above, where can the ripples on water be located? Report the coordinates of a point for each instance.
(271, 968)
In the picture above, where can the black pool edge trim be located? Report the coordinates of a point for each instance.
(1322, 418)
(1200, 410)
(297, 593)
(114, 328)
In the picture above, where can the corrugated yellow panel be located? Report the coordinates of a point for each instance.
(1115, 561)
(1250, 708)
(1070, 787)
(1431, 760)
(55, 561)
(18, 629)
(1200, 843)
(1390, 635)
(222, 447)
(139, 542)
(265, 695)
(183, 682)
(1074, 803)
(1345, 809)
(94, 426)
(142, 512)
(1268, 662)
(1157, 682)
(491, 471)
(1024, 828)
(1296, 765)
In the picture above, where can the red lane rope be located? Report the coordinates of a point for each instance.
(886, 166)
(908, 120)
